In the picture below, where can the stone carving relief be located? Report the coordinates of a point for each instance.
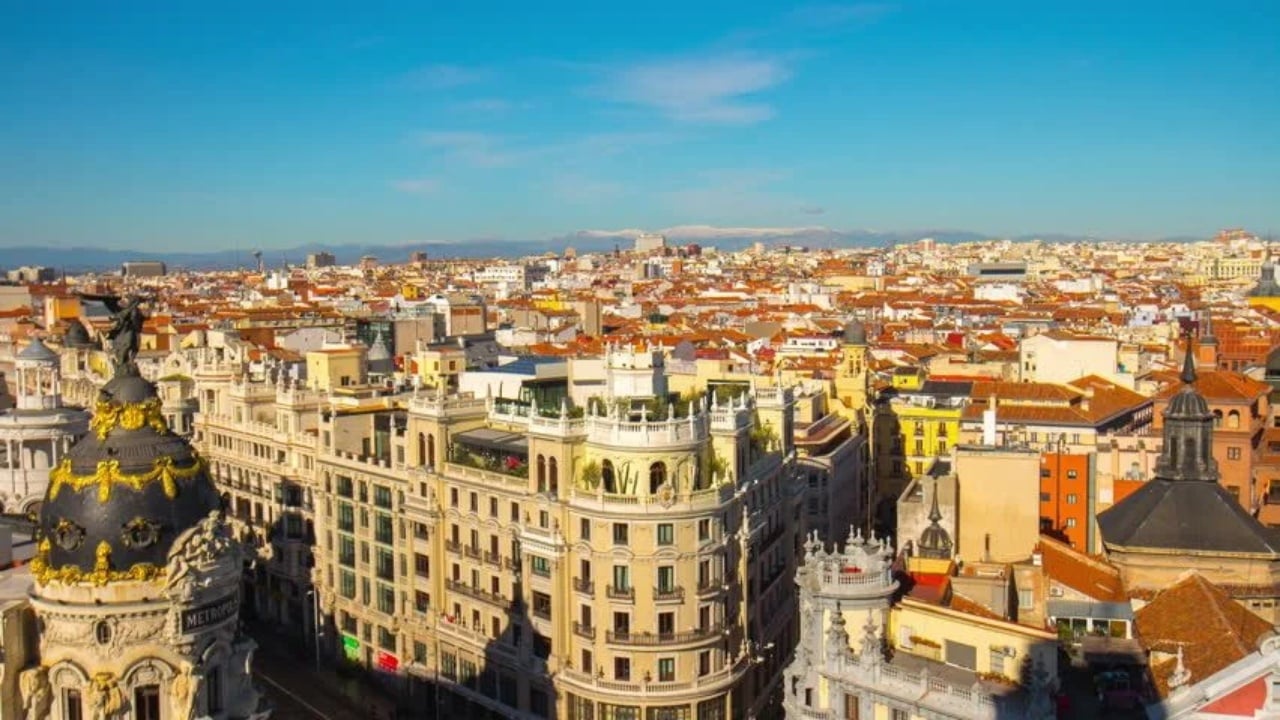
(184, 693)
(106, 700)
(194, 551)
(37, 695)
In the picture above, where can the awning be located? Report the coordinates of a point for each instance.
(498, 440)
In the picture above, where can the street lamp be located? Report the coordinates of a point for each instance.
(315, 622)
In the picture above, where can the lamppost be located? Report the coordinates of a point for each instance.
(314, 597)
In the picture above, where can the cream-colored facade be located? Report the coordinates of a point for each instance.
(632, 558)
(861, 656)
(999, 502)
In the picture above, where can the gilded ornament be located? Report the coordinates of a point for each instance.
(107, 416)
(108, 473)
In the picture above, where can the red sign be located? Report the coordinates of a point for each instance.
(387, 661)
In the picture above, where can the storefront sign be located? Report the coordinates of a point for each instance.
(351, 648)
(387, 661)
(202, 616)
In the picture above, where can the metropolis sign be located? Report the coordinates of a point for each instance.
(202, 616)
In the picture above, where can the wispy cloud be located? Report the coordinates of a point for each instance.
(813, 210)
(826, 15)
(713, 90)
(418, 186)
(486, 150)
(474, 148)
(445, 76)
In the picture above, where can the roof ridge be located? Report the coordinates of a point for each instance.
(1209, 589)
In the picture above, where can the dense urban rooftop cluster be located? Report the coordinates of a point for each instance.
(928, 480)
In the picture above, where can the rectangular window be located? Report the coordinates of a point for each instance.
(704, 530)
(542, 605)
(666, 624)
(586, 662)
(346, 551)
(620, 533)
(386, 639)
(382, 497)
(621, 577)
(1071, 522)
(420, 652)
(345, 487)
(515, 512)
(961, 655)
(475, 503)
(666, 669)
(1071, 475)
(622, 623)
(540, 565)
(1233, 453)
(666, 534)
(72, 708)
(453, 497)
(146, 702)
(386, 599)
(1072, 498)
(493, 507)
(383, 529)
(421, 565)
(851, 708)
(704, 663)
(1045, 497)
(347, 581)
(386, 564)
(622, 668)
(346, 517)
(666, 578)
(584, 529)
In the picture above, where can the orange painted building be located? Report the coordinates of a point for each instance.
(1068, 497)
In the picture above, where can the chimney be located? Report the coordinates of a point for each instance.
(989, 423)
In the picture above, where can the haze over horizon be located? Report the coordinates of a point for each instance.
(154, 126)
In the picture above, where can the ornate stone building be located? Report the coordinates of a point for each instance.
(631, 558)
(136, 578)
(36, 434)
(839, 673)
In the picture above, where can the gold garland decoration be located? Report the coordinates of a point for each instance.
(108, 473)
(102, 574)
(107, 416)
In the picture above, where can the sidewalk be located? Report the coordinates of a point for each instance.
(291, 670)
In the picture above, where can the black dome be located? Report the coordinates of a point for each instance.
(1187, 403)
(124, 492)
(76, 336)
(855, 333)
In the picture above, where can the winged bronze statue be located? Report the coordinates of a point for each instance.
(126, 326)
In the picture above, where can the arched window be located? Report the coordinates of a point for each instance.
(431, 450)
(657, 476)
(422, 448)
(553, 475)
(1233, 420)
(1217, 418)
(607, 477)
(542, 473)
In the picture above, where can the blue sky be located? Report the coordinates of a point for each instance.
(209, 125)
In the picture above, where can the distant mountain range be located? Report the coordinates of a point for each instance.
(86, 259)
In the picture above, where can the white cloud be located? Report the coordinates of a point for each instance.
(445, 76)
(474, 148)
(713, 90)
(418, 186)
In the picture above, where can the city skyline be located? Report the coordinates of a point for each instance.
(139, 127)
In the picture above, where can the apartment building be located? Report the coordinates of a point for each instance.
(630, 558)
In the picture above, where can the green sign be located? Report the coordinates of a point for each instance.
(351, 648)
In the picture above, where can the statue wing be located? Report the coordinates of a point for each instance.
(111, 302)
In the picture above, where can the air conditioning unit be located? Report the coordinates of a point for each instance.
(1055, 592)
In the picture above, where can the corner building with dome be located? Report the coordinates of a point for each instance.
(135, 586)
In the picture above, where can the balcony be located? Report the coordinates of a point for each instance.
(670, 594)
(706, 586)
(472, 552)
(586, 631)
(493, 559)
(620, 593)
(453, 546)
(477, 593)
(672, 638)
(584, 586)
